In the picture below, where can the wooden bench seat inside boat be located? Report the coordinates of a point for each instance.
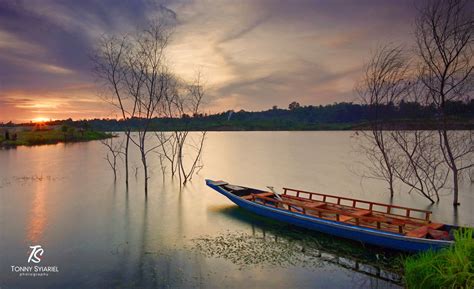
(438, 234)
(249, 197)
(315, 205)
(421, 232)
(361, 213)
(295, 198)
(304, 202)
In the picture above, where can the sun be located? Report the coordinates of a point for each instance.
(39, 119)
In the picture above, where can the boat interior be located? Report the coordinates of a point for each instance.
(385, 217)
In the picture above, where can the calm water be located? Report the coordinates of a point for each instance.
(100, 236)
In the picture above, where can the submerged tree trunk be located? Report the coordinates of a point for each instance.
(455, 189)
(127, 142)
(145, 171)
(452, 165)
(391, 187)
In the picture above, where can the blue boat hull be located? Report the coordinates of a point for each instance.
(343, 230)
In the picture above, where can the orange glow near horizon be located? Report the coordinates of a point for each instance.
(40, 119)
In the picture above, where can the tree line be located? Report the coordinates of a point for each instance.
(344, 115)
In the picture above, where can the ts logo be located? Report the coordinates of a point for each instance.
(36, 253)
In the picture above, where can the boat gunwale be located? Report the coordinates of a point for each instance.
(428, 213)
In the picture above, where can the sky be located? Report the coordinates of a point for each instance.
(252, 54)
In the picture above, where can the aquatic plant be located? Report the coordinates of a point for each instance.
(452, 267)
(244, 250)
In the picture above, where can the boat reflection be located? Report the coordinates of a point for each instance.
(273, 243)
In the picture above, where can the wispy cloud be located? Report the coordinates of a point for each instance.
(253, 53)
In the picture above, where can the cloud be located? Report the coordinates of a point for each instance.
(304, 81)
(253, 53)
(261, 53)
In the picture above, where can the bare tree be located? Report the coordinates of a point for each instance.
(115, 150)
(183, 103)
(110, 69)
(148, 81)
(420, 164)
(194, 101)
(383, 84)
(168, 149)
(168, 141)
(444, 35)
(134, 69)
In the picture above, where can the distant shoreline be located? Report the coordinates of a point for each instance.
(68, 131)
(331, 117)
(98, 129)
(406, 125)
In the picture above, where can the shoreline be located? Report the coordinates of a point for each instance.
(19, 136)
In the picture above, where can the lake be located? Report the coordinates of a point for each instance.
(99, 235)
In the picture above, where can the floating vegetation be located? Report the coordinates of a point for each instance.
(34, 179)
(4, 182)
(316, 241)
(272, 244)
(247, 250)
(26, 180)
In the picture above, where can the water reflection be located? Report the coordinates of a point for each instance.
(37, 218)
(270, 243)
(104, 235)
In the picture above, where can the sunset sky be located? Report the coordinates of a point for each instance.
(253, 54)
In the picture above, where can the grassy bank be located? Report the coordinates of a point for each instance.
(452, 267)
(50, 136)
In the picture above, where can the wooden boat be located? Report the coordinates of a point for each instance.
(390, 226)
